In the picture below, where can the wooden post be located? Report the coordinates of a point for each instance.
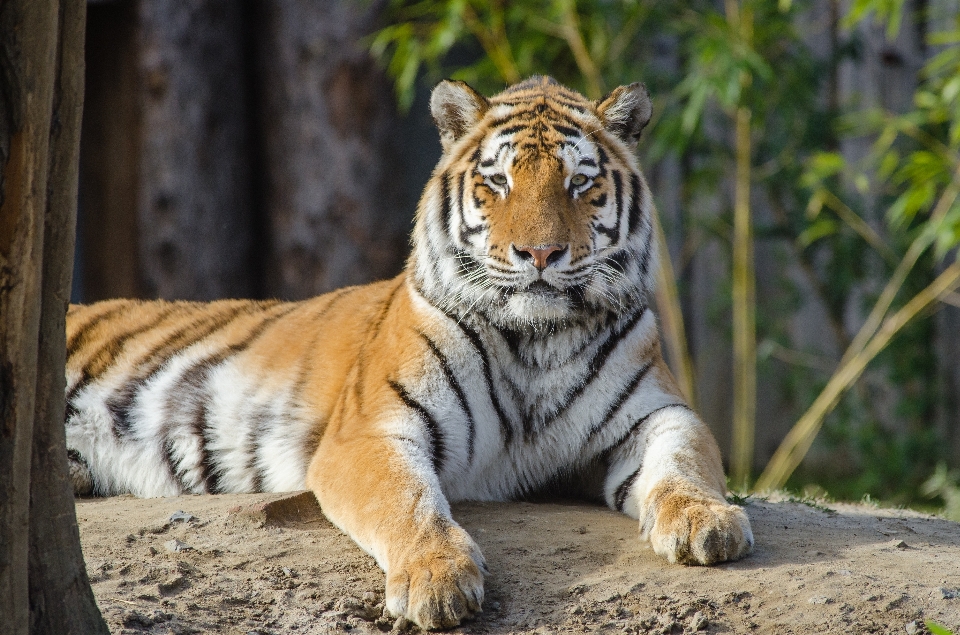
(43, 583)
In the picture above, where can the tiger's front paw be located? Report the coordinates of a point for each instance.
(438, 583)
(692, 527)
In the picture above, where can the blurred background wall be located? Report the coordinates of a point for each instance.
(241, 149)
(254, 149)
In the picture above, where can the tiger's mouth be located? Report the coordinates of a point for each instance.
(542, 288)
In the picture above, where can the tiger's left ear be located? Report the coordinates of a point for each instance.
(455, 108)
(625, 112)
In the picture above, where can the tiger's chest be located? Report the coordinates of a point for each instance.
(512, 414)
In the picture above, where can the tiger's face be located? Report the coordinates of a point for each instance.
(537, 214)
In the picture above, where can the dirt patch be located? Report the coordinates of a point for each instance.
(262, 564)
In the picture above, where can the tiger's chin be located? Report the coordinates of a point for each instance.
(538, 307)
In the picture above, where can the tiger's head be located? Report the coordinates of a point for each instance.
(537, 214)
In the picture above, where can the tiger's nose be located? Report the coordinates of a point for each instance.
(543, 256)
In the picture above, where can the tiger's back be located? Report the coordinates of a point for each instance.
(167, 398)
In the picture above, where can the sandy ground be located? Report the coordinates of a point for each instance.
(263, 564)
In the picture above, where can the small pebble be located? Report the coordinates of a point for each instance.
(913, 628)
(820, 599)
(949, 594)
(369, 597)
(176, 546)
(152, 551)
(181, 517)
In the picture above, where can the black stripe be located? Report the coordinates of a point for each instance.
(634, 215)
(255, 443)
(604, 159)
(466, 263)
(637, 424)
(166, 453)
(623, 490)
(518, 116)
(79, 337)
(619, 260)
(445, 202)
(434, 434)
(513, 340)
(572, 106)
(208, 472)
(505, 427)
(191, 389)
(120, 403)
(588, 161)
(372, 331)
(457, 390)
(465, 229)
(567, 130)
(114, 348)
(617, 403)
(614, 233)
(600, 201)
(598, 360)
(511, 129)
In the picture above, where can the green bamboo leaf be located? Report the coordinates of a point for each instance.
(820, 228)
(937, 629)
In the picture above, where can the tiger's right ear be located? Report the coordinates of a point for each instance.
(455, 108)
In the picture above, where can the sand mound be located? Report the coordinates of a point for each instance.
(263, 564)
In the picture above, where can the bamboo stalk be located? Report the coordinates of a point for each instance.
(798, 441)
(744, 279)
(579, 49)
(493, 39)
(857, 224)
(744, 312)
(893, 286)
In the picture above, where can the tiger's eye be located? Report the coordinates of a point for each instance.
(578, 179)
(499, 179)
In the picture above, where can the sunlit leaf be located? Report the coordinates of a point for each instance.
(817, 230)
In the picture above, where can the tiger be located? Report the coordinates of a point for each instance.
(517, 353)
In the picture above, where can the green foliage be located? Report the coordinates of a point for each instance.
(583, 44)
(937, 629)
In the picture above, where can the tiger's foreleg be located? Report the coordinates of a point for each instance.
(384, 493)
(669, 475)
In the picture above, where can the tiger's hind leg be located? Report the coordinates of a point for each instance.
(80, 476)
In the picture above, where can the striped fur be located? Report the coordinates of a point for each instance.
(517, 351)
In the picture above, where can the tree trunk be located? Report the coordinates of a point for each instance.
(43, 582)
(29, 44)
(194, 204)
(327, 116)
